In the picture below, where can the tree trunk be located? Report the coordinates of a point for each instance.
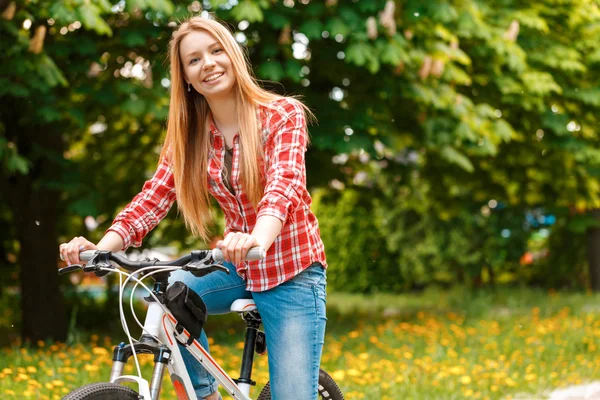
(35, 214)
(593, 251)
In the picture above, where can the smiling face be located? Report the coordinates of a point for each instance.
(206, 65)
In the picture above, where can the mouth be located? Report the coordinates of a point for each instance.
(213, 77)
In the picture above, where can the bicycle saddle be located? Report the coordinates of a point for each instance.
(243, 305)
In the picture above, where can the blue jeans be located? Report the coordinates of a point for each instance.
(293, 315)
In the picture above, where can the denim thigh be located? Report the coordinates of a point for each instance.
(293, 315)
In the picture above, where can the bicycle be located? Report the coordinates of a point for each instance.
(168, 322)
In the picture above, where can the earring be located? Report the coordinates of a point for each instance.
(189, 87)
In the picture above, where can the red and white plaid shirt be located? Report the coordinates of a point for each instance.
(285, 197)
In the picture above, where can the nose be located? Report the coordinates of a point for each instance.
(208, 63)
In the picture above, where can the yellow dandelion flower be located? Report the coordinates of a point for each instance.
(99, 351)
(91, 367)
(31, 369)
(530, 377)
(33, 382)
(22, 377)
(338, 375)
(465, 380)
(57, 382)
(7, 371)
(49, 386)
(457, 370)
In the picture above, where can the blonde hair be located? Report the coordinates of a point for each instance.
(187, 142)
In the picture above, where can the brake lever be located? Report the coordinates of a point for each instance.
(201, 269)
(69, 268)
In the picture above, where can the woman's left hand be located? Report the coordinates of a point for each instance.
(235, 246)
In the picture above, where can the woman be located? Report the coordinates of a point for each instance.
(245, 146)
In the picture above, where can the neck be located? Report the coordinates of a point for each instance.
(225, 114)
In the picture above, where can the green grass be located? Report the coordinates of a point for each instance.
(434, 345)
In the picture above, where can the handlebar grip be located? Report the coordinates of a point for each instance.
(87, 255)
(255, 253)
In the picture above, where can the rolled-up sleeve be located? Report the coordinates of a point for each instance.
(286, 170)
(147, 208)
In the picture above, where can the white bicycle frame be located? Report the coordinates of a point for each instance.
(161, 325)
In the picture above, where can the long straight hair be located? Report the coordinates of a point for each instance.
(187, 142)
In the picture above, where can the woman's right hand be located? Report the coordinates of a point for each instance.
(70, 251)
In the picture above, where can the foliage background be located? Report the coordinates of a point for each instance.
(456, 144)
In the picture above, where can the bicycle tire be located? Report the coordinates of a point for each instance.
(328, 389)
(102, 391)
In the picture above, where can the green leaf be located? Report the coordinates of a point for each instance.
(359, 53)
(270, 50)
(134, 38)
(315, 9)
(391, 53)
(247, 10)
(336, 26)
(276, 20)
(292, 70)
(504, 130)
(368, 6)
(164, 6)
(590, 96)
(455, 157)
(556, 122)
(531, 19)
(312, 29)
(134, 107)
(50, 72)
(271, 70)
(351, 17)
(91, 19)
(540, 83)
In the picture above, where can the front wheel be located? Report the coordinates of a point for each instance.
(102, 391)
(328, 389)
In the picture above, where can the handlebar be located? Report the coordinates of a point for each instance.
(199, 262)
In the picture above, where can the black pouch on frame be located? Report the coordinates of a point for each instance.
(187, 307)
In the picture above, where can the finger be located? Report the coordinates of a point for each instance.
(244, 246)
(231, 247)
(73, 252)
(240, 254)
(61, 250)
(224, 246)
(74, 249)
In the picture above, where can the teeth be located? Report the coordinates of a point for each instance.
(213, 77)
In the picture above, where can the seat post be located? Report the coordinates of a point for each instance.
(253, 322)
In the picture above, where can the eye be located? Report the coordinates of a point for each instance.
(217, 50)
(193, 60)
